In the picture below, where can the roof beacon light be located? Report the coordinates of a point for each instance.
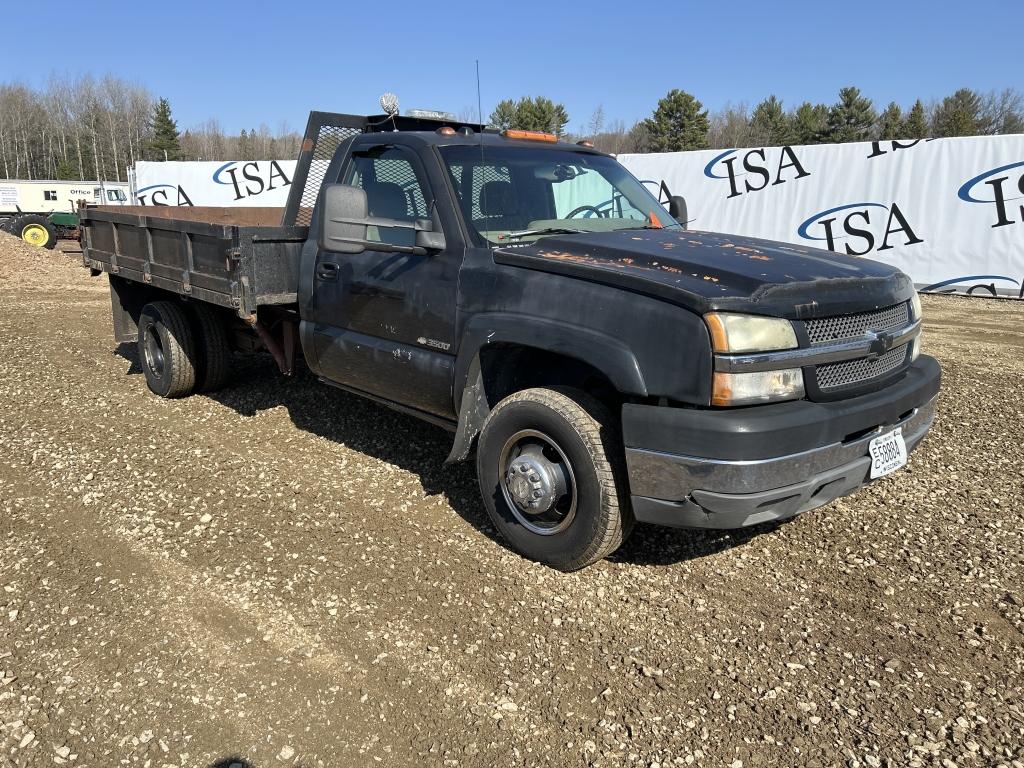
(511, 133)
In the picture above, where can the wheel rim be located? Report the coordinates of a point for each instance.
(35, 234)
(154, 352)
(538, 482)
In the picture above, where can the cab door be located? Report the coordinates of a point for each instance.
(384, 322)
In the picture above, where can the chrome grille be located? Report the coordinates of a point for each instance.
(832, 376)
(828, 329)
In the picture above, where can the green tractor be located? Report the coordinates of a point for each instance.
(41, 230)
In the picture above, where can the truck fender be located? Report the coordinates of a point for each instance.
(604, 353)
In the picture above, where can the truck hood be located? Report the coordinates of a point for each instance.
(705, 271)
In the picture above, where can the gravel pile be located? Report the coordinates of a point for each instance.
(283, 574)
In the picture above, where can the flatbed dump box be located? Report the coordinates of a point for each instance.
(236, 258)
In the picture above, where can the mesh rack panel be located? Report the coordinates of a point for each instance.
(854, 326)
(833, 376)
(329, 137)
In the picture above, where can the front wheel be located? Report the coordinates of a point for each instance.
(551, 475)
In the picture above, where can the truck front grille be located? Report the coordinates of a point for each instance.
(828, 329)
(848, 373)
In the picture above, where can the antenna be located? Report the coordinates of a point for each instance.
(480, 119)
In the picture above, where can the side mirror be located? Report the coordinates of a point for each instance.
(677, 209)
(343, 219)
(427, 238)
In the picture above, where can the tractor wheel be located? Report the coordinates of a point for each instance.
(35, 230)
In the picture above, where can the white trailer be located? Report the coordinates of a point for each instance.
(38, 211)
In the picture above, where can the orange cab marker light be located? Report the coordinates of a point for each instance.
(512, 133)
(446, 130)
(585, 143)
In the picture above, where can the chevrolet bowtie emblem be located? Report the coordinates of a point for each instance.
(880, 343)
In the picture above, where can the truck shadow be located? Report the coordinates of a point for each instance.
(420, 448)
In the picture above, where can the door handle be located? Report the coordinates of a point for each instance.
(327, 270)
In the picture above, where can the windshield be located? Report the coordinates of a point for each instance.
(516, 194)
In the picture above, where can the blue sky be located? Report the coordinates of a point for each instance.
(252, 62)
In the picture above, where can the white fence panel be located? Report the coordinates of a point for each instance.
(948, 212)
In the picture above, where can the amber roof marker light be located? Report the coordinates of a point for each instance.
(512, 133)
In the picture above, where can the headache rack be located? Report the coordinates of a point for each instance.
(325, 131)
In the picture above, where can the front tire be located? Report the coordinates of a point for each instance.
(167, 349)
(551, 474)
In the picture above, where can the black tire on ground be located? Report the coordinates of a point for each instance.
(552, 430)
(213, 348)
(167, 349)
(7, 225)
(32, 228)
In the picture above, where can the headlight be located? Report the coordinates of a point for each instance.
(915, 306)
(759, 387)
(749, 333)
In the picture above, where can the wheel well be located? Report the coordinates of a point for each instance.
(507, 368)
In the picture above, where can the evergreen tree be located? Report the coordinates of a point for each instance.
(166, 142)
(890, 122)
(679, 123)
(504, 114)
(530, 114)
(66, 171)
(245, 150)
(769, 123)
(809, 123)
(851, 118)
(915, 126)
(959, 115)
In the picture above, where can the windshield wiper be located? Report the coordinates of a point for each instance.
(542, 231)
(643, 226)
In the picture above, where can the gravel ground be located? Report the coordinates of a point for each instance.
(283, 574)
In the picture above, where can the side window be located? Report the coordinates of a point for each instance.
(394, 190)
(112, 195)
(50, 194)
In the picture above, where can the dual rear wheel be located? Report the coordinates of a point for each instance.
(183, 349)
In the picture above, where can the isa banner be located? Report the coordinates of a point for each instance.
(948, 212)
(239, 182)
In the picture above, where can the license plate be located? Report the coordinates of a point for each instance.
(888, 453)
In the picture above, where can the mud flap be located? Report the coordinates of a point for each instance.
(473, 411)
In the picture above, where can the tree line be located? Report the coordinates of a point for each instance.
(88, 128)
(680, 121)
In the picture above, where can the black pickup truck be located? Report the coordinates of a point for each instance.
(607, 364)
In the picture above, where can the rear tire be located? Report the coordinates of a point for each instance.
(213, 348)
(167, 349)
(561, 450)
(35, 230)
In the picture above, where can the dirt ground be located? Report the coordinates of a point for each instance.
(284, 574)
